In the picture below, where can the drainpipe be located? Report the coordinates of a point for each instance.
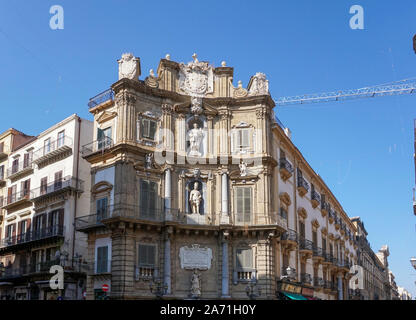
(76, 195)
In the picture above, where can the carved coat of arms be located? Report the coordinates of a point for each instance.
(196, 78)
(128, 67)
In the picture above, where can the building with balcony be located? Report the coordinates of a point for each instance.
(404, 294)
(374, 272)
(195, 184)
(47, 187)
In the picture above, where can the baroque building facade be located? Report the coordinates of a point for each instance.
(197, 191)
(44, 194)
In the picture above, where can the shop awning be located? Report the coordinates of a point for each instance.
(293, 296)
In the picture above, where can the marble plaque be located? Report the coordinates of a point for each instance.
(195, 257)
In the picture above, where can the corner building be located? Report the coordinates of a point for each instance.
(196, 185)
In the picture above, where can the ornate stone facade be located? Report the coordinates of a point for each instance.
(220, 147)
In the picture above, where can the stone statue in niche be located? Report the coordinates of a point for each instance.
(195, 198)
(149, 161)
(243, 168)
(195, 140)
(195, 285)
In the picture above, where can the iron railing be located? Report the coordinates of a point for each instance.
(101, 98)
(316, 196)
(48, 232)
(51, 148)
(285, 164)
(290, 235)
(305, 244)
(271, 218)
(318, 282)
(97, 146)
(318, 252)
(302, 183)
(306, 278)
(325, 206)
(15, 197)
(68, 182)
(19, 167)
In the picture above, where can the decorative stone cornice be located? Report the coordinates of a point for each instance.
(167, 109)
(324, 231)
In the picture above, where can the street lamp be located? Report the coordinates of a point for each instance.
(413, 262)
(158, 288)
(250, 290)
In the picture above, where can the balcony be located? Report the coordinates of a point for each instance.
(244, 275)
(331, 216)
(271, 219)
(303, 186)
(12, 243)
(330, 286)
(285, 168)
(318, 254)
(145, 272)
(20, 170)
(315, 199)
(328, 258)
(318, 282)
(337, 221)
(98, 147)
(306, 278)
(4, 152)
(105, 96)
(52, 189)
(87, 222)
(54, 151)
(2, 179)
(15, 199)
(325, 208)
(305, 248)
(289, 240)
(289, 273)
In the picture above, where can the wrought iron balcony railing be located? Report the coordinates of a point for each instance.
(302, 183)
(101, 145)
(272, 219)
(101, 98)
(285, 164)
(65, 183)
(290, 235)
(316, 196)
(19, 168)
(14, 198)
(48, 232)
(318, 252)
(306, 278)
(52, 149)
(325, 206)
(318, 282)
(305, 244)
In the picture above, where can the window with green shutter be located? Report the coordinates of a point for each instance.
(148, 129)
(148, 199)
(102, 259)
(244, 259)
(101, 207)
(243, 204)
(147, 255)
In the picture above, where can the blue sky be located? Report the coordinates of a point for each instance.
(363, 149)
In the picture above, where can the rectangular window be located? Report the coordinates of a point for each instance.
(25, 187)
(44, 185)
(2, 172)
(302, 229)
(27, 159)
(244, 259)
(315, 238)
(47, 146)
(1, 147)
(148, 199)
(148, 129)
(101, 207)
(11, 194)
(104, 137)
(15, 165)
(323, 243)
(283, 213)
(147, 255)
(61, 138)
(243, 139)
(58, 181)
(243, 204)
(102, 259)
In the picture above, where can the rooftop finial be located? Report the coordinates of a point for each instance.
(240, 84)
(167, 57)
(223, 63)
(195, 57)
(152, 73)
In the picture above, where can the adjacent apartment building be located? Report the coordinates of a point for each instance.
(197, 191)
(375, 274)
(44, 194)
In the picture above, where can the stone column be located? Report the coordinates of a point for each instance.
(225, 218)
(167, 264)
(225, 272)
(340, 289)
(168, 195)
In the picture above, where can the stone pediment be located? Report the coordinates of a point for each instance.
(106, 116)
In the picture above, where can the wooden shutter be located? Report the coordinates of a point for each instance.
(239, 204)
(43, 221)
(9, 194)
(302, 229)
(144, 196)
(14, 230)
(239, 258)
(244, 258)
(61, 218)
(152, 198)
(147, 255)
(19, 227)
(247, 204)
(1, 147)
(28, 225)
(100, 134)
(152, 129)
(245, 138)
(315, 238)
(102, 259)
(145, 128)
(26, 160)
